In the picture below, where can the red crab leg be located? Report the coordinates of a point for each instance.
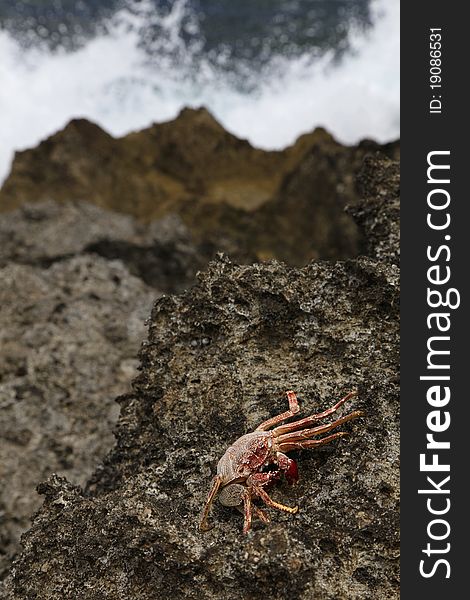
(313, 418)
(203, 524)
(270, 502)
(248, 511)
(288, 446)
(298, 436)
(294, 408)
(258, 480)
(260, 514)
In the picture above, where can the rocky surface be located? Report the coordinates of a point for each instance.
(379, 208)
(217, 360)
(250, 203)
(161, 253)
(69, 336)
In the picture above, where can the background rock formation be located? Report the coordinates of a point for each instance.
(250, 203)
(161, 253)
(378, 210)
(69, 336)
(217, 361)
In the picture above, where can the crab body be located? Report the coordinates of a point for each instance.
(248, 454)
(242, 474)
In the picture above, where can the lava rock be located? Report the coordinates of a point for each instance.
(216, 363)
(378, 211)
(161, 253)
(69, 336)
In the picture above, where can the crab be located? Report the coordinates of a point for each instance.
(257, 459)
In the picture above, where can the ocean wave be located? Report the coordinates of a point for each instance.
(114, 81)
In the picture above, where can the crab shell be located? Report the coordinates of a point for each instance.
(246, 456)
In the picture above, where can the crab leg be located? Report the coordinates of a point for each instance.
(313, 418)
(203, 524)
(270, 502)
(288, 446)
(294, 408)
(260, 514)
(257, 481)
(248, 511)
(297, 436)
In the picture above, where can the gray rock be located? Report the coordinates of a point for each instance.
(68, 342)
(378, 210)
(46, 232)
(217, 362)
(161, 253)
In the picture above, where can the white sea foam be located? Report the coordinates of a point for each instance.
(111, 81)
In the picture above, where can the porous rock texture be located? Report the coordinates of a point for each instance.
(69, 336)
(378, 210)
(216, 363)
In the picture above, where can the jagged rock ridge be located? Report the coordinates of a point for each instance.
(250, 203)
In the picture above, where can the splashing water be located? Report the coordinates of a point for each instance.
(114, 81)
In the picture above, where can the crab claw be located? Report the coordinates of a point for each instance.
(292, 473)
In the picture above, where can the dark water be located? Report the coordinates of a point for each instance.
(246, 33)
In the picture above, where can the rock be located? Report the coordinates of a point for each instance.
(45, 232)
(69, 336)
(378, 212)
(162, 253)
(216, 363)
(250, 203)
(144, 173)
